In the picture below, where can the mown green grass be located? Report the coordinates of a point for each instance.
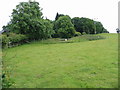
(90, 64)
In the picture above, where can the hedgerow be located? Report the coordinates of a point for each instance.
(12, 39)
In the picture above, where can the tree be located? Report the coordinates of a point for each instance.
(48, 29)
(88, 26)
(58, 15)
(84, 25)
(77, 24)
(64, 27)
(27, 19)
(55, 35)
(105, 31)
(99, 27)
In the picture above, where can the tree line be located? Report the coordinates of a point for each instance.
(27, 19)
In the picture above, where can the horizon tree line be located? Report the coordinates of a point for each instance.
(27, 19)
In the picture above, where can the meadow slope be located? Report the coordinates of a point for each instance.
(90, 64)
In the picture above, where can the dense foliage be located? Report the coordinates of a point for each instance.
(88, 26)
(27, 22)
(58, 15)
(48, 30)
(64, 27)
(13, 39)
(99, 27)
(27, 19)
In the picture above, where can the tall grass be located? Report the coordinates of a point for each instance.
(71, 40)
(86, 38)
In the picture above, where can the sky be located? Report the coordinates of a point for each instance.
(105, 11)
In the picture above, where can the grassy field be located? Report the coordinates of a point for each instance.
(89, 64)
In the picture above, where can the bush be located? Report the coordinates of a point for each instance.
(6, 81)
(5, 40)
(17, 39)
(12, 39)
(84, 33)
(77, 34)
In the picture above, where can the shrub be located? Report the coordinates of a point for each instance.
(77, 34)
(17, 38)
(6, 81)
(5, 40)
(84, 33)
(12, 39)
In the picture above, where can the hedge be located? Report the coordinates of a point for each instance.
(12, 39)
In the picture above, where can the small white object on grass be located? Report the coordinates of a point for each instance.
(9, 43)
(65, 39)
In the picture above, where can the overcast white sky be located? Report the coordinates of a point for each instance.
(105, 11)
